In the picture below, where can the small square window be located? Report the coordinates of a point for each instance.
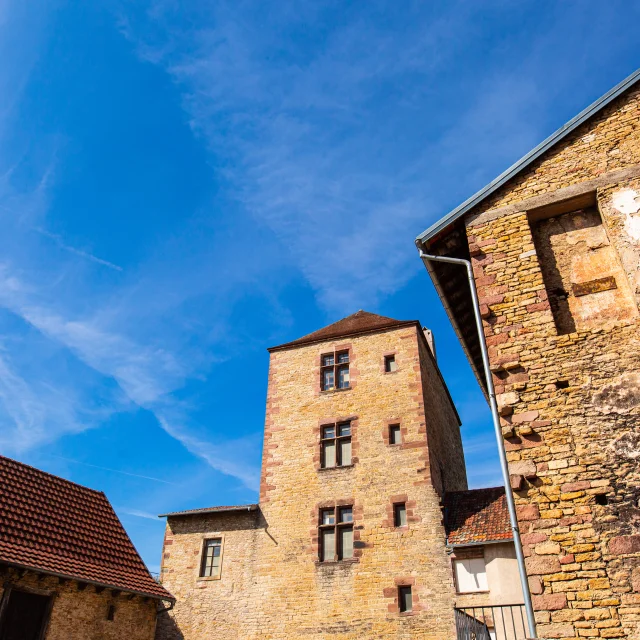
(405, 599)
(395, 436)
(400, 514)
(346, 514)
(328, 516)
(390, 364)
(328, 360)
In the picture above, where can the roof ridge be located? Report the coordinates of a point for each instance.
(354, 324)
(52, 475)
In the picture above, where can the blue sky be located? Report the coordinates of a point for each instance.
(185, 184)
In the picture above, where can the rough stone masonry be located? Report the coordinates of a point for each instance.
(272, 584)
(556, 254)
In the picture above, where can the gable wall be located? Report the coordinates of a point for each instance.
(571, 399)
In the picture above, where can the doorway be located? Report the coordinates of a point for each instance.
(24, 615)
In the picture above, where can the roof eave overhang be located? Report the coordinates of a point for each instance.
(454, 323)
(204, 512)
(459, 545)
(352, 334)
(105, 585)
(425, 238)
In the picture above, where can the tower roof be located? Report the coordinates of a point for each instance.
(355, 324)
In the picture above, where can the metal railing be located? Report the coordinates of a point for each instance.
(498, 622)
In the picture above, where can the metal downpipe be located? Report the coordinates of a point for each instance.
(498, 432)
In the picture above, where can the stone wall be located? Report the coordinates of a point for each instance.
(82, 614)
(278, 588)
(570, 397)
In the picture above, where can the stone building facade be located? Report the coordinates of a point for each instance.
(68, 570)
(555, 248)
(361, 445)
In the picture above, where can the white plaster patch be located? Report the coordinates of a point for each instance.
(627, 202)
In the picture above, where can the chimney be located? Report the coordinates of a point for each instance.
(428, 334)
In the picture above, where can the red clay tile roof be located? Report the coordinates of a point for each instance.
(478, 515)
(205, 510)
(356, 323)
(52, 525)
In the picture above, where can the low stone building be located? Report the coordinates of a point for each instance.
(361, 450)
(555, 247)
(68, 570)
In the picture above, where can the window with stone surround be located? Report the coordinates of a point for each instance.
(335, 445)
(395, 435)
(334, 370)
(336, 534)
(400, 514)
(211, 556)
(585, 282)
(390, 364)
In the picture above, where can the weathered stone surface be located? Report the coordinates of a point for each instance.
(577, 356)
(82, 614)
(541, 565)
(550, 602)
(624, 544)
(526, 468)
(272, 585)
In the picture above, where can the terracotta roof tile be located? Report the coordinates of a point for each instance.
(477, 515)
(56, 526)
(356, 323)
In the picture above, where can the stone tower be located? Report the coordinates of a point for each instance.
(361, 442)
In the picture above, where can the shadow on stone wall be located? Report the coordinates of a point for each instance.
(167, 629)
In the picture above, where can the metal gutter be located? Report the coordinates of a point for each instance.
(210, 510)
(504, 465)
(461, 545)
(525, 161)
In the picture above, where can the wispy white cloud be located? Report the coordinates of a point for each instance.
(78, 252)
(138, 513)
(309, 159)
(124, 473)
(146, 375)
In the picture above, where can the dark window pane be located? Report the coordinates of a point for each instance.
(390, 364)
(328, 432)
(394, 434)
(344, 429)
(405, 599)
(343, 376)
(328, 545)
(327, 361)
(343, 357)
(346, 543)
(400, 515)
(345, 452)
(346, 514)
(328, 516)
